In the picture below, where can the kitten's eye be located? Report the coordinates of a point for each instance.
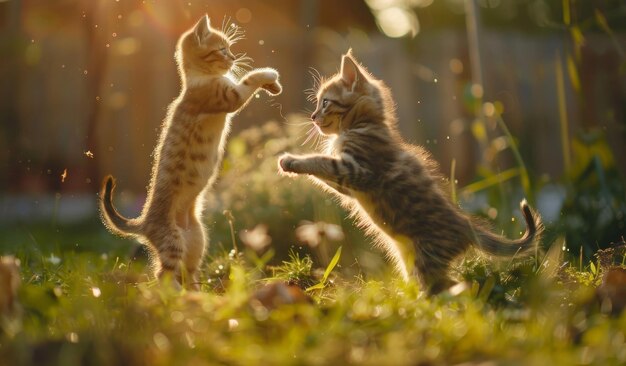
(325, 103)
(223, 50)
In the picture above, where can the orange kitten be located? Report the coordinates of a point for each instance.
(189, 152)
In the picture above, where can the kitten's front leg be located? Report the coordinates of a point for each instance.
(337, 172)
(265, 78)
(291, 164)
(240, 94)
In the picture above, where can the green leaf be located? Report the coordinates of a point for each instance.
(319, 286)
(573, 73)
(331, 265)
(594, 270)
(491, 181)
(577, 36)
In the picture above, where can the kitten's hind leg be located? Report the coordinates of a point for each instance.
(433, 276)
(196, 241)
(169, 243)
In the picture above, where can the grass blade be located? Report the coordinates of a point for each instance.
(331, 265)
(490, 181)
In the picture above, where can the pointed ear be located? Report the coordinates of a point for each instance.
(202, 28)
(350, 72)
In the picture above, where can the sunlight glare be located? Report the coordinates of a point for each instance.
(396, 22)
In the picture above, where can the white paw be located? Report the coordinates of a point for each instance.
(266, 76)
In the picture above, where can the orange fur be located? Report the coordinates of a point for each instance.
(189, 150)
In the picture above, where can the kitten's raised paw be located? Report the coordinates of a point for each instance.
(273, 89)
(286, 164)
(265, 76)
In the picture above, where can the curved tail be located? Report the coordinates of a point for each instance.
(500, 246)
(112, 219)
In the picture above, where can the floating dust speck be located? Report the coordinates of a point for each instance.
(114, 34)
(64, 175)
(261, 42)
(89, 154)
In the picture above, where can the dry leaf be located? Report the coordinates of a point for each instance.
(9, 283)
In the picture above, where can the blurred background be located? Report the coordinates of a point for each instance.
(515, 98)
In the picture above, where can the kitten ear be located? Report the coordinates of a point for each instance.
(350, 72)
(202, 28)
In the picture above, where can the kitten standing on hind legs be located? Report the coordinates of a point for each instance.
(391, 187)
(189, 152)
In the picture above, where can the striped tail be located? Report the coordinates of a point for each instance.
(112, 219)
(500, 246)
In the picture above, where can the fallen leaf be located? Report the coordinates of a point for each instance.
(9, 284)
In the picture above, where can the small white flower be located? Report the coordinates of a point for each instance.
(312, 233)
(257, 238)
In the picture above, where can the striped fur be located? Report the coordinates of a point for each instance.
(189, 150)
(392, 188)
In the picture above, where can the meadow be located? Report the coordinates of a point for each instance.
(276, 289)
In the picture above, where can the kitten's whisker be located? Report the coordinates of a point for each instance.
(317, 77)
(243, 60)
(225, 20)
(321, 141)
(310, 134)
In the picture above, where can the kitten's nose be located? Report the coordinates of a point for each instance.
(314, 116)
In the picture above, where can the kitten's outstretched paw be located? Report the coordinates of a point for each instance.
(273, 89)
(264, 76)
(287, 164)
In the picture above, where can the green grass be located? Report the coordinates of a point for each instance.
(83, 307)
(83, 301)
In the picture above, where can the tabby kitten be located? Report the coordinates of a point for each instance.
(391, 187)
(189, 150)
